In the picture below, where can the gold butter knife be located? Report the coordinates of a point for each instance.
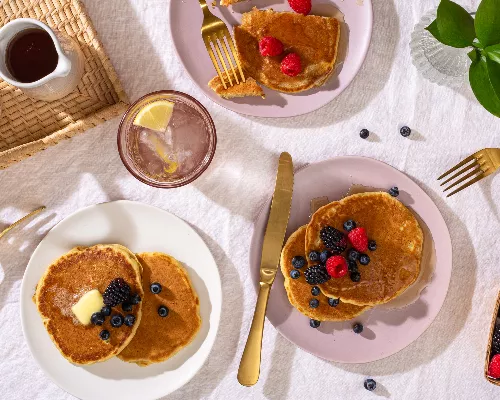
(248, 373)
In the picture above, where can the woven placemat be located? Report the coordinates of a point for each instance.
(28, 126)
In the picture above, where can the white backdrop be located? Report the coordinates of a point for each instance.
(445, 363)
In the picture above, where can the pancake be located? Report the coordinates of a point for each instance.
(394, 266)
(71, 276)
(299, 291)
(315, 39)
(227, 3)
(157, 338)
(248, 88)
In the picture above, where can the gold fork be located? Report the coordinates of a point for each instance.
(18, 222)
(482, 163)
(213, 31)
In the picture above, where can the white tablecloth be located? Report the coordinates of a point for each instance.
(445, 363)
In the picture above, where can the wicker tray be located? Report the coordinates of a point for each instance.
(488, 352)
(28, 126)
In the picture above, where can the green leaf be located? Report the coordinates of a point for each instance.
(488, 22)
(494, 74)
(493, 52)
(482, 87)
(455, 25)
(434, 30)
(474, 55)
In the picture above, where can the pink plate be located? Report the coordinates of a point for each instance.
(386, 331)
(185, 23)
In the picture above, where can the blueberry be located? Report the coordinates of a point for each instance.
(394, 191)
(155, 288)
(364, 259)
(315, 291)
(353, 255)
(97, 318)
(116, 320)
(314, 256)
(357, 328)
(370, 385)
(355, 276)
(314, 303)
(162, 311)
(294, 274)
(349, 225)
(106, 311)
(405, 131)
(129, 320)
(333, 302)
(104, 334)
(134, 299)
(364, 133)
(325, 255)
(352, 266)
(372, 245)
(127, 307)
(314, 323)
(298, 262)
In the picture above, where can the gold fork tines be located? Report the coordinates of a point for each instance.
(220, 48)
(19, 222)
(478, 166)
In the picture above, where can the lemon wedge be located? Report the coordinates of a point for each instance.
(155, 116)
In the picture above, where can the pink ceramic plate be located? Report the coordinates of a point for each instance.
(185, 23)
(386, 331)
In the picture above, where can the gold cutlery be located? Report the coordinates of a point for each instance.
(248, 373)
(482, 163)
(213, 31)
(31, 214)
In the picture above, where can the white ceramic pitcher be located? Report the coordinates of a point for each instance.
(63, 80)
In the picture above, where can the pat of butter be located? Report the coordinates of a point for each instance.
(88, 304)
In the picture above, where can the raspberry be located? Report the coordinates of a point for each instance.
(116, 293)
(336, 267)
(291, 65)
(494, 368)
(301, 6)
(270, 46)
(359, 239)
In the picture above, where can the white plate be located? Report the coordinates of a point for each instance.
(141, 228)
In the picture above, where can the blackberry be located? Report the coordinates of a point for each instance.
(355, 276)
(405, 131)
(298, 262)
(495, 345)
(315, 291)
(325, 255)
(333, 302)
(349, 225)
(333, 239)
(370, 385)
(372, 245)
(316, 275)
(314, 323)
(314, 256)
(352, 266)
(314, 303)
(364, 133)
(117, 292)
(357, 328)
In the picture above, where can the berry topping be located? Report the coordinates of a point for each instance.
(352, 266)
(155, 288)
(394, 191)
(315, 291)
(301, 6)
(291, 65)
(355, 276)
(372, 245)
(162, 311)
(314, 303)
(364, 133)
(495, 345)
(117, 292)
(357, 328)
(353, 255)
(314, 323)
(494, 368)
(294, 274)
(134, 299)
(270, 46)
(104, 334)
(333, 239)
(364, 259)
(116, 320)
(325, 255)
(337, 266)
(359, 239)
(333, 302)
(298, 262)
(129, 320)
(316, 275)
(370, 385)
(127, 307)
(349, 225)
(405, 131)
(106, 311)
(97, 318)
(314, 255)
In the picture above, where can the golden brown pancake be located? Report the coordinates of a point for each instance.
(71, 276)
(315, 39)
(394, 266)
(299, 291)
(229, 2)
(157, 338)
(248, 88)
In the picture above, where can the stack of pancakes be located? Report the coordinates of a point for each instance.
(151, 338)
(394, 266)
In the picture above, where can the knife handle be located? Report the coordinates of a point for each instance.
(249, 371)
